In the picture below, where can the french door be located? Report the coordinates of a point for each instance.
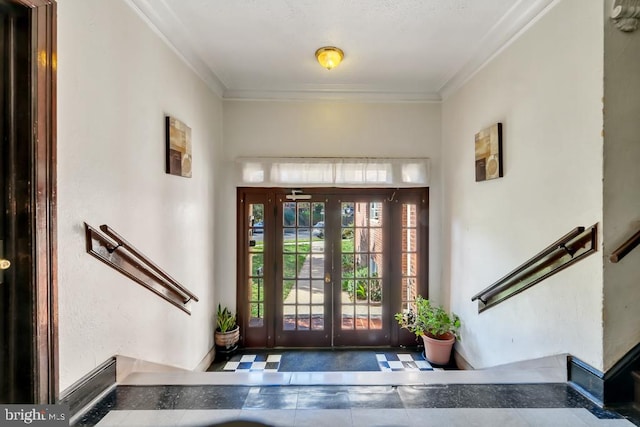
(329, 267)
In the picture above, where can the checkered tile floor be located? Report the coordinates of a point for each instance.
(254, 363)
(402, 362)
(389, 362)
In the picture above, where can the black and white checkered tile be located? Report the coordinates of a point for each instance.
(254, 363)
(388, 362)
(393, 362)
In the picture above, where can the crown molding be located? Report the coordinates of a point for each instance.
(517, 20)
(171, 30)
(330, 95)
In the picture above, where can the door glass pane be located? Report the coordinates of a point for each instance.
(317, 266)
(289, 214)
(409, 264)
(348, 291)
(303, 214)
(408, 293)
(290, 266)
(375, 214)
(255, 266)
(303, 266)
(317, 214)
(409, 239)
(289, 317)
(361, 214)
(409, 255)
(347, 316)
(362, 317)
(317, 314)
(304, 317)
(256, 308)
(361, 269)
(362, 240)
(318, 245)
(287, 285)
(303, 291)
(317, 292)
(257, 315)
(304, 239)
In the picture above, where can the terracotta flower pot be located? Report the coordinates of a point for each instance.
(438, 351)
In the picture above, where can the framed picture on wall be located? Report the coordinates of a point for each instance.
(178, 141)
(489, 153)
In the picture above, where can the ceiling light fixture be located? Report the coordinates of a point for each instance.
(329, 57)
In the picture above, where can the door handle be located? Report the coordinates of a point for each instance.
(4, 264)
(327, 278)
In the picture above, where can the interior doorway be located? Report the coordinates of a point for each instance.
(329, 267)
(28, 297)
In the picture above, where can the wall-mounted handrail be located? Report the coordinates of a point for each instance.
(570, 248)
(118, 253)
(625, 248)
(122, 242)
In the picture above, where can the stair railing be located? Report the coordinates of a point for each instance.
(116, 252)
(570, 248)
(625, 248)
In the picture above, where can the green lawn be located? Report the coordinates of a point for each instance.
(294, 257)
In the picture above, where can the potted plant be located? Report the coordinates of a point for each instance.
(227, 332)
(438, 329)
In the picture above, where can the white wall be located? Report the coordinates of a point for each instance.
(116, 82)
(621, 189)
(330, 129)
(546, 88)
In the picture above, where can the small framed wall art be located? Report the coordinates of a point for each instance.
(489, 153)
(178, 136)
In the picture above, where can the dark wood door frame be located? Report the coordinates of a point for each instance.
(264, 334)
(40, 125)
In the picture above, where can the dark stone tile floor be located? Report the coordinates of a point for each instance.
(345, 397)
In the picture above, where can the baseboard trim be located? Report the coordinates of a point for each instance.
(127, 365)
(86, 389)
(207, 360)
(614, 386)
(586, 379)
(461, 362)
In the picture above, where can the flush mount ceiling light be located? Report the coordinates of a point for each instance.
(329, 57)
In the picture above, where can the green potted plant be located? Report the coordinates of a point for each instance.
(438, 329)
(227, 332)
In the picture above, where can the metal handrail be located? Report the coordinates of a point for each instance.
(625, 248)
(571, 247)
(116, 252)
(128, 246)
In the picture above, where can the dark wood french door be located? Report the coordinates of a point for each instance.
(329, 267)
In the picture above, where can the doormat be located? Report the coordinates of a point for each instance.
(338, 361)
(387, 362)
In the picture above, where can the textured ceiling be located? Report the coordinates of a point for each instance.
(394, 49)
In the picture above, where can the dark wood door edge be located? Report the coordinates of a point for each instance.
(42, 98)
